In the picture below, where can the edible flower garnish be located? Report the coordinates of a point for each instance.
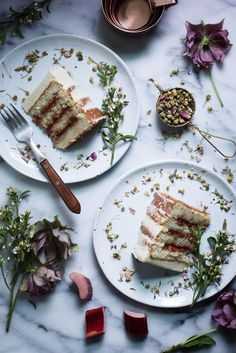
(206, 44)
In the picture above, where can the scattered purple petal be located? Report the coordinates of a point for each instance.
(185, 115)
(92, 157)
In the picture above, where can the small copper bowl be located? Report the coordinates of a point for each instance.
(162, 92)
(132, 16)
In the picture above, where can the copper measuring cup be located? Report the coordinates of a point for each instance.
(188, 122)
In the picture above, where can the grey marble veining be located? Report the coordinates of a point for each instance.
(155, 55)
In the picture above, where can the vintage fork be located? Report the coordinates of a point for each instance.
(23, 132)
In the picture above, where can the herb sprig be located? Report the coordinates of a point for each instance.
(112, 107)
(193, 342)
(106, 73)
(14, 246)
(26, 16)
(208, 267)
(30, 254)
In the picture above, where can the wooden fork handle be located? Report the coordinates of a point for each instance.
(66, 194)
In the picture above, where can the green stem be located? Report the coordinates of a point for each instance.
(4, 278)
(215, 89)
(113, 153)
(12, 301)
(10, 305)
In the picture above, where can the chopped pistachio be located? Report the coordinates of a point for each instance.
(200, 179)
(174, 176)
(199, 149)
(118, 203)
(64, 167)
(174, 72)
(224, 204)
(181, 191)
(229, 174)
(111, 236)
(208, 97)
(116, 255)
(79, 55)
(126, 274)
(155, 187)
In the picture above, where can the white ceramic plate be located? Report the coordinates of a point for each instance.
(125, 207)
(12, 83)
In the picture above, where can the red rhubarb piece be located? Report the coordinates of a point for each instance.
(136, 323)
(95, 322)
(83, 284)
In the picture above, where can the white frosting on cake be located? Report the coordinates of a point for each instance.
(63, 77)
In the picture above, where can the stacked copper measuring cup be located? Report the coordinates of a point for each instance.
(134, 16)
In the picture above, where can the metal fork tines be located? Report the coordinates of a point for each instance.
(16, 122)
(20, 128)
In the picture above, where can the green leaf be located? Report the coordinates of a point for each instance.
(212, 242)
(24, 194)
(194, 342)
(74, 247)
(198, 341)
(128, 137)
(224, 227)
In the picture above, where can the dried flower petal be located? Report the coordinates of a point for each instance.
(92, 156)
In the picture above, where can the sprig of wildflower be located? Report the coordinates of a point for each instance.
(208, 267)
(26, 16)
(112, 107)
(30, 254)
(106, 73)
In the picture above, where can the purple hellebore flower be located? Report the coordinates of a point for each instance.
(42, 281)
(44, 249)
(225, 311)
(206, 43)
(65, 246)
(52, 243)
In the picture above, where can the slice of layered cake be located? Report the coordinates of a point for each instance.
(61, 109)
(167, 233)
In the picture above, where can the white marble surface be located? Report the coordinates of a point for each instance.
(155, 54)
